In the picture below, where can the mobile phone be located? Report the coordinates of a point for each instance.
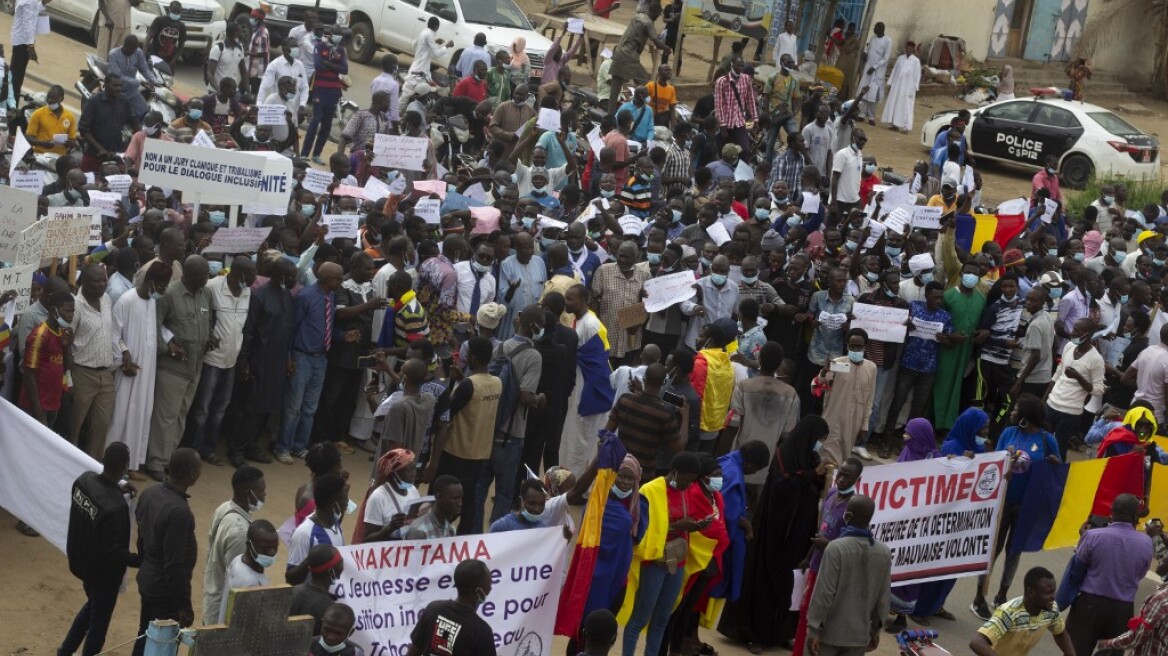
(367, 361)
(673, 399)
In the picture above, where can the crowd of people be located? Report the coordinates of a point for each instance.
(509, 338)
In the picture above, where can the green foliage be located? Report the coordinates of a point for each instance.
(1139, 194)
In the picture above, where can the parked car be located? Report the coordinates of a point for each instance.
(205, 21)
(1086, 138)
(394, 24)
(286, 14)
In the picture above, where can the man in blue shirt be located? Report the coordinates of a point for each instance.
(126, 62)
(918, 365)
(314, 315)
(477, 52)
(642, 114)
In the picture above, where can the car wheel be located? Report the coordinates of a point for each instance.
(1076, 171)
(362, 45)
(736, 24)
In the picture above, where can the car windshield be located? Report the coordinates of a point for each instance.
(499, 13)
(1113, 124)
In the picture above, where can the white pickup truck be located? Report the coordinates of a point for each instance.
(204, 20)
(283, 15)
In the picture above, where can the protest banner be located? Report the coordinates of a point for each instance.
(666, 291)
(317, 181)
(19, 279)
(477, 193)
(18, 210)
(31, 244)
(95, 238)
(810, 203)
(218, 176)
(549, 119)
(270, 115)
(575, 26)
(875, 231)
(119, 183)
(203, 140)
(631, 224)
(106, 202)
(237, 240)
(1049, 208)
(30, 181)
(428, 209)
(885, 324)
(926, 330)
(388, 584)
(348, 190)
(939, 517)
(436, 187)
(375, 190)
(486, 220)
(67, 231)
(743, 171)
(342, 226)
(926, 217)
(595, 142)
(718, 233)
(394, 151)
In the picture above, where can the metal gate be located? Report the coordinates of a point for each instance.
(812, 19)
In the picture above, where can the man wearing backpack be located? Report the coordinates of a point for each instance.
(518, 365)
(226, 59)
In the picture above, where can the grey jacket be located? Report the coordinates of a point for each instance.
(851, 594)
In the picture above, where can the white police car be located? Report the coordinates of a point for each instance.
(1086, 139)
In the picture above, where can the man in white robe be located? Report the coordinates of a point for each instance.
(875, 70)
(136, 330)
(902, 89)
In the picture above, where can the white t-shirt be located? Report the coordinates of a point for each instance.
(555, 512)
(308, 535)
(849, 164)
(239, 575)
(226, 60)
(385, 502)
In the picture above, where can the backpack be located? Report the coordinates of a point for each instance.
(502, 366)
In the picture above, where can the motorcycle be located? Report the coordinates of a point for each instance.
(159, 98)
(449, 137)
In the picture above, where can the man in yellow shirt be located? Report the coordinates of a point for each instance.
(1017, 625)
(52, 128)
(663, 97)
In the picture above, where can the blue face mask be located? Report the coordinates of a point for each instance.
(307, 209)
(1118, 256)
(893, 251)
(856, 356)
(61, 323)
(264, 560)
(850, 246)
(653, 258)
(537, 335)
(818, 445)
(194, 114)
(530, 517)
(528, 221)
(546, 242)
(762, 213)
(846, 490)
(750, 280)
(607, 193)
(927, 277)
(1158, 262)
(981, 441)
(872, 276)
(214, 267)
(718, 279)
(969, 280)
(889, 293)
(1078, 257)
(1052, 252)
(676, 216)
(715, 484)
(217, 217)
(1123, 299)
(793, 220)
(621, 494)
(174, 16)
(1056, 292)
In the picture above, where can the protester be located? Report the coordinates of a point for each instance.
(248, 569)
(453, 626)
(1017, 626)
(229, 535)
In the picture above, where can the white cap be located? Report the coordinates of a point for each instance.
(919, 263)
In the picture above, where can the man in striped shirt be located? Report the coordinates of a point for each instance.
(646, 424)
(735, 105)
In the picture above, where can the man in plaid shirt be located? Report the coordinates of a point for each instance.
(735, 105)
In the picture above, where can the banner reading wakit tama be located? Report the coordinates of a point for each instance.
(389, 583)
(732, 18)
(939, 517)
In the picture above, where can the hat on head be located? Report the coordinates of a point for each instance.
(731, 150)
(490, 314)
(1145, 235)
(661, 133)
(1012, 257)
(1051, 279)
(1092, 240)
(949, 181)
(535, 171)
(724, 329)
(919, 263)
(772, 241)
(421, 89)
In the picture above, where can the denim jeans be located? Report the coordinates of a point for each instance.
(789, 127)
(92, 622)
(505, 458)
(656, 593)
(885, 380)
(319, 126)
(300, 401)
(210, 404)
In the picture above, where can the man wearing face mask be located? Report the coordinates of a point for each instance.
(642, 115)
(452, 626)
(323, 565)
(965, 303)
(228, 537)
(193, 117)
(322, 527)
(921, 267)
(287, 66)
(226, 59)
(153, 127)
(248, 570)
(717, 298)
(127, 62)
(73, 194)
(166, 35)
(509, 116)
(50, 123)
(782, 96)
(102, 120)
(846, 173)
(617, 285)
(998, 336)
(584, 261)
(885, 355)
(735, 105)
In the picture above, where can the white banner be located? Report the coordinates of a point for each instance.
(342, 226)
(18, 210)
(237, 240)
(37, 474)
(929, 218)
(884, 324)
(400, 152)
(317, 181)
(19, 278)
(67, 231)
(218, 176)
(388, 584)
(665, 291)
(939, 517)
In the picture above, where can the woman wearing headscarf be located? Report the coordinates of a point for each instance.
(389, 499)
(784, 523)
(1006, 83)
(703, 567)
(1139, 425)
(608, 530)
(660, 557)
(919, 444)
(520, 62)
(968, 435)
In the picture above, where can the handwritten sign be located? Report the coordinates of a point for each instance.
(317, 181)
(342, 226)
(106, 202)
(119, 184)
(398, 186)
(18, 210)
(19, 279)
(31, 244)
(95, 236)
(270, 115)
(237, 240)
(595, 142)
(926, 217)
(30, 181)
(1049, 209)
(575, 26)
(718, 233)
(219, 176)
(375, 190)
(429, 210)
(810, 203)
(897, 220)
(667, 291)
(631, 316)
(832, 321)
(743, 171)
(203, 140)
(67, 231)
(486, 220)
(631, 224)
(437, 187)
(477, 193)
(885, 324)
(926, 330)
(549, 119)
(875, 231)
(400, 152)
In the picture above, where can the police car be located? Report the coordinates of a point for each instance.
(1087, 139)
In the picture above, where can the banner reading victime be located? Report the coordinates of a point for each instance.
(388, 584)
(939, 517)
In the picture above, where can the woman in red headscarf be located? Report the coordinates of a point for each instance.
(391, 499)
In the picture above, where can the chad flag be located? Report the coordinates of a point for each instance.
(1061, 497)
(972, 231)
